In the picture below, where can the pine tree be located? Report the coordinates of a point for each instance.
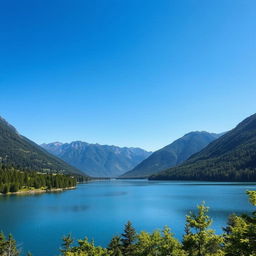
(67, 242)
(6, 188)
(2, 243)
(10, 247)
(115, 246)
(199, 240)
(240, 234)
(128, 239)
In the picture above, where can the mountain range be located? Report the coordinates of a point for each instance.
(172, 155)
(232, 157)
(20, 152)
(98, 160)
(195, 156)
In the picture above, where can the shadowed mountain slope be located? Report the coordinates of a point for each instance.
(172, 155)
(232, 157)
(20, 152)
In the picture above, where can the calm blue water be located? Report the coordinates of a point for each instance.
(100, 209)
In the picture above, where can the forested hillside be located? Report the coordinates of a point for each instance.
(18, 151)
(172, 155)
(232, 157)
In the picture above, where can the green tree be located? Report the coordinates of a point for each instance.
(14, 187)
(2, 243)
(115, 246)
(240, 234)
(170, 246)
(86, 248)
(199, 240)
(158, 244)
(6, 188)
(67, 242)
(8, 246)
(128, 239)
(149, 244)
(252, 197)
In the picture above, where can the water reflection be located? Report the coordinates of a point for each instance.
(73, 208)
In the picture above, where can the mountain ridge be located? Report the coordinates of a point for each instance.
(232, 157)
(97, 160)
(172, 154)
(18, 151)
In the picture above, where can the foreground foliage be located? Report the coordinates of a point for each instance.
(238, 239)
(8, 246)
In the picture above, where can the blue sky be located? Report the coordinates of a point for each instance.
(129, 73)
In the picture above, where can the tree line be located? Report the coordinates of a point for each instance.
(13, 180)
(238, 239)
(235, 163)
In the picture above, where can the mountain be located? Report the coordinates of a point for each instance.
(20, 152)
(172, 155)
(232, 157)
(98, 160)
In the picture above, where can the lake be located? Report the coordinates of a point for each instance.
(99, 210)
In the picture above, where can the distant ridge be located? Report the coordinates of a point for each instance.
(20, 152)
(232, 157)
(97, 160)
(172, 155)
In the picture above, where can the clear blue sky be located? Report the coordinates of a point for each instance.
(126, 72)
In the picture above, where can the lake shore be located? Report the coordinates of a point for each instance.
(38, 191)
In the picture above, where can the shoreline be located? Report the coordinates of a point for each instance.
(38, 191)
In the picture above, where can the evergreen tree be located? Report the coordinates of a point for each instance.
(252, 197)
(86, 248)
(158, 244)
(199, 240)
(67, 242)
(6, 188)
(2, 243)
(14, 187)
(115, 246)
(240, 234)
(8, 246)
(128, 239)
